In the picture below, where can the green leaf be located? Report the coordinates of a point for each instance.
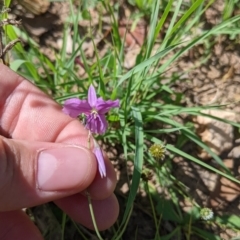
(166, 209)
(14, 65)
(146, 63)
(229, 220)
(186, 15)
(138, 163)
(138, 160)
(204, 234)
(7, 3)
(163, 18)
(201, 163)
(176, 231)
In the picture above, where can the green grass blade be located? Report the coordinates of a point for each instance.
(201, 163)
(204, 234)
(171, 235)
(174, 17)
(186, 15)
(197, 40)
(229, 220)
(151, 34)
(138, 160)
(163, 19)
(7, 3)
(16, 64)
(146, 63)
(192, 136)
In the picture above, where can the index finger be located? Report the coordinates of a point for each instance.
(27, 113)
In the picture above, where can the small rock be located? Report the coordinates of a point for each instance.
(219, 136)
(213, 73)
(224, 59)
(235, 153)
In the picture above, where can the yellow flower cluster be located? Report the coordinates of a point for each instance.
(157, 151)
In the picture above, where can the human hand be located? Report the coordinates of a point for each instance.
(43, 157)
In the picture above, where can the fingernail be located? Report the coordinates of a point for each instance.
(62, 168)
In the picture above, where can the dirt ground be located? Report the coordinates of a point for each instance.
(216, 80)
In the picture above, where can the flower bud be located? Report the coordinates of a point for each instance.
(206, 213)
(157, 151)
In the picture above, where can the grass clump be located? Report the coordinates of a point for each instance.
(150, 104)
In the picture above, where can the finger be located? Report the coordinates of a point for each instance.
(29, 114)
(17, 225)
(77, 207)
(106, 207)
(42, 172)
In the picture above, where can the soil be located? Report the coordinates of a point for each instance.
(215, 80)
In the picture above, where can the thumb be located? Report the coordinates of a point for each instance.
(32, 173)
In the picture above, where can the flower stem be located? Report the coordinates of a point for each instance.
(92, 216)
(89, 199)
(153, 210)
(89, 142)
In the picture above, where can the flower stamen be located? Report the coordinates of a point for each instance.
(94, 112)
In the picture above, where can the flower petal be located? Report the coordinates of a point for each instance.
(92, 96)
(74, 106)
(101, 164)
(104, 106)
(103, 124)
(96, 124)
(91, 123)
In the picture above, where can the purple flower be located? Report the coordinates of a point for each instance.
(101, 164)
(94, 108)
